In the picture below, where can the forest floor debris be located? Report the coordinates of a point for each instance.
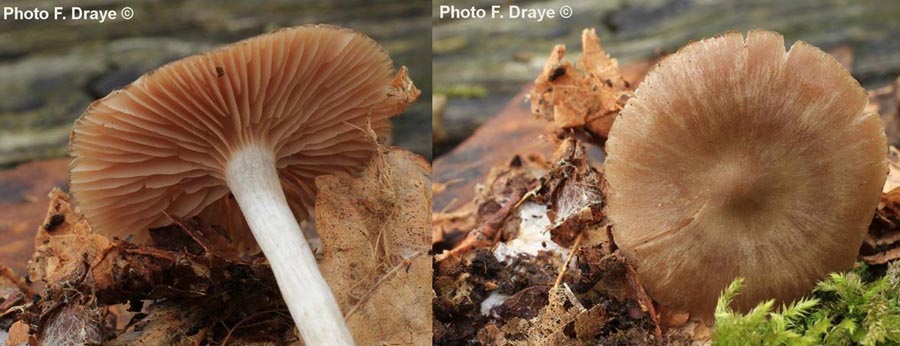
(597, 299)
(190, 286)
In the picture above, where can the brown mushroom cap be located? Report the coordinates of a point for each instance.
(738, 159)
(159, 146)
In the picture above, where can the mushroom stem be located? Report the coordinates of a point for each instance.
(253, 179)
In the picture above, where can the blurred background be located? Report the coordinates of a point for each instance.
(480, 64)
(50, 71)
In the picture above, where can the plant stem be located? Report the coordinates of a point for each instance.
(253, 179)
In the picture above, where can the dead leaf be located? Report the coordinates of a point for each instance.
(574, 192)
(164, 324)
(588, 95)
(551, 324)
(893, 178)
(20, 335)
(375, 232)
(672, 318)
(13, 290)
(64, 245)
(883, 257)
(589, 325)
(524, 304)
(882, 242)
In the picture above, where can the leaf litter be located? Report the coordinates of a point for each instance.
(191, 286)
(590, 296)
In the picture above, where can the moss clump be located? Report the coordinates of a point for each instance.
(847, 309)
(463, 91)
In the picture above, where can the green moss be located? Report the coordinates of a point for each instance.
(847, 309)
(463, 91)
(448, 45)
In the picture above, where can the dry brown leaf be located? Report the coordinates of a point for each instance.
(20, 335)
(882, 242)
(375, 232)
(548, 328)
(883, 257)
(588, 325)
(588, 95)
(490, 334)
(702, 332)
(893, 178)
(64, 245)
(574, 193)
(13, 290)
(673, 318)
(565, 321)
(14, 294)
(165, 324)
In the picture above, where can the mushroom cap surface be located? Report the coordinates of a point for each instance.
(159, 146)
(739, 159)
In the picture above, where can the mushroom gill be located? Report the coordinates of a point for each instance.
(160, 145)
(238, 136)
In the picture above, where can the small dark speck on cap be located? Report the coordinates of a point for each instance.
(220, 71)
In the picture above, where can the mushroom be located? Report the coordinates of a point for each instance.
(738, 159)
(238, 134)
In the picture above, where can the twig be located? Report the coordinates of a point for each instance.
(565, 266)
(572, 298)
(20, 308)
(489, 233)
(436, 217)
(444, 210)
(529, 195)
(245, 319)
(643, 298)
